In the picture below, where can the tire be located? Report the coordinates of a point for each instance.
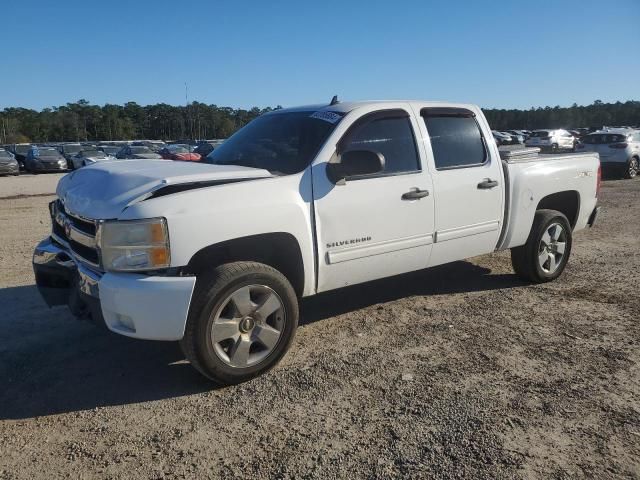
(229, 300)
(633, 167)
(529, 261)
(554, 148)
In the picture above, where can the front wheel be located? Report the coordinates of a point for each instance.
(632, 168)
(546, 253)
(242, 321)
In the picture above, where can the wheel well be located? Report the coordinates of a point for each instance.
(278, 250)
(566, 202)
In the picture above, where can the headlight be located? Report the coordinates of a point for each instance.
(135, 245)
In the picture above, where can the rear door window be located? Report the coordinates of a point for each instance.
(456, 138)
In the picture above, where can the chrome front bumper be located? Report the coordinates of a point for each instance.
(135, 305)
(60, 278)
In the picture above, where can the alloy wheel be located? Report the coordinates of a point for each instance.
(247, 326)
(552, 248)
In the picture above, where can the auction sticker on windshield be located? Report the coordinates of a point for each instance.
(330, 117)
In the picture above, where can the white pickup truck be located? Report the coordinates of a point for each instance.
(300, 201)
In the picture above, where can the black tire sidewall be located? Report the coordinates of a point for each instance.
(218, 293)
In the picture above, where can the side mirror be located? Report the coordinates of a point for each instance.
(355, 163)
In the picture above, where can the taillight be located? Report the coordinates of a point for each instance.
(619, 145)
(599, 180)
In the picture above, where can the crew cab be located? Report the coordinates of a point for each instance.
(216, 254)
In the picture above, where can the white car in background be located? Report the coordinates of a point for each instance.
(552, 139)
(88, 157)
(619, 150)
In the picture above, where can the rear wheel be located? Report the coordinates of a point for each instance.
(633, 167)
(546, 253)
(241, 323)
(554, 148)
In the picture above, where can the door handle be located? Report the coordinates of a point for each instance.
(487, 183)
(415, 194)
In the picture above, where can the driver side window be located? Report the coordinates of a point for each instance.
(392, 137)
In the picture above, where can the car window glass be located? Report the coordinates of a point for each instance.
(456, 141)
(390, 136)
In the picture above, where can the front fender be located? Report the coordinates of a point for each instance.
(203, 217)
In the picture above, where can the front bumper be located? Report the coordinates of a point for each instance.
(50, 167)
(9, 168)
(135, 305)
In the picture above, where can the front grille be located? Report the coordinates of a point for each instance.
(78, 233)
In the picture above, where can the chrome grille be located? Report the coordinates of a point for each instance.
(79, 234)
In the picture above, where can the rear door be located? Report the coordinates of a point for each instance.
(377, 225)
(467, 183)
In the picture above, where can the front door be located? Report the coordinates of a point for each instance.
(375, 225)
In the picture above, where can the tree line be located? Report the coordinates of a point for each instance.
(82, 121)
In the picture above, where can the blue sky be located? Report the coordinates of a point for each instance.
(237, 53)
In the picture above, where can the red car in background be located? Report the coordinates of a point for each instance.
(179, 152)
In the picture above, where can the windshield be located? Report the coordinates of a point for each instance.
(46, 152)
(4, 154)
(283, 143)
(599, 139)
(22, 149)
(71, 148)
(92, 153)
(540, 133)
(138, 149)
(178, 149)
(110, 150)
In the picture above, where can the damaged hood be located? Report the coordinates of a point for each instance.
(103, 190)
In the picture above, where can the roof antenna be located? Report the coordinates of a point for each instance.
(334, 100)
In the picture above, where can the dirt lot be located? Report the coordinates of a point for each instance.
(460, 371)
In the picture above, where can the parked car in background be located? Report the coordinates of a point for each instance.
(8, 163)
(153, 145)
(205, 147)
(179, 152)
(501, 137)
(44, 159)
(516, 136)
(68, 150)
(578, 133)
(552, 140)
(137, 151)
(20, 151)
(619, 150)
(110, 149)
(87, 157)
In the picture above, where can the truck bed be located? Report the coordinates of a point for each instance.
(530, 177)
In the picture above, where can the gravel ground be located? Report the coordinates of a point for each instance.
(461, 371)
(28, 184)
